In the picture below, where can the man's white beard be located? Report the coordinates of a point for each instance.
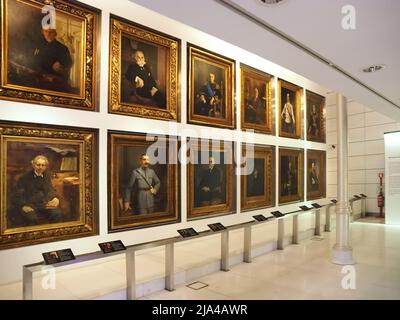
(141, 64)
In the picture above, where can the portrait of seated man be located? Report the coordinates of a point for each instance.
(209, 190)
(35, 200)
(46, 65)
(255, 180)
(255, 108)
(209, 98)
(143, 87)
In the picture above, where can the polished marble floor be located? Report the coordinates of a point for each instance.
(300, 271)
(372, 219)
(304, 272)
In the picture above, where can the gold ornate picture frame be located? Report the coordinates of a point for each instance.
(144, 68)
(258, 178)
(131, 203)
(48, 64)
(316, 174)
(210, 171)
(48, 185)
(211, 88)
(291, 177)
(289, 101)
(316, 117)
(256, 95)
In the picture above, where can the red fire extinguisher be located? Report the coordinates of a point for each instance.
(381, 197)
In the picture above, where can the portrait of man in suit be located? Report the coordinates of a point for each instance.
(316, 174)
(143, 85)
(313, 176)
(289, 174)
(255, 180)
(209, 189)
(44, 56)
(313, 121)
(316, 114)
(35, 199)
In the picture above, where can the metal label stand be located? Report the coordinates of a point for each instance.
(328, 217)
(363, 206)
(169, 243)
(295, 229)
(225, 251)
(317, 222)
(351, 202)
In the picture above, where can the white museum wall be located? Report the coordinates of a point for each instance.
(392, 172)
(366, 154)
(12, 260)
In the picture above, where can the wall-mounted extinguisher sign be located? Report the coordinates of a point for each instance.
(381, 197)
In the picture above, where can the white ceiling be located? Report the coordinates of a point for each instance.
(316, 25)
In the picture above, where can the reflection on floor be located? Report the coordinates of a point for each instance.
(298, 272)
(372, 219)
(304, 271)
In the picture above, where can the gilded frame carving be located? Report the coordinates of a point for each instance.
(212, 208)
(267, 197)
(319, 134)
(134, 105)
(122, 144)
(202, 63)
(85, 95)
(250, 80)
(296, 191)
(76, 180)
(316, 189)
(297, 92)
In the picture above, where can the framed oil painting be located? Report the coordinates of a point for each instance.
(316, 128)
(256, 92)
(258, 177)
(48, 185)
(210, 189)
(144, 71)
(210, 88)
(49, 53)
(316, 174)
(291, 181)
(289, 96)
(143, 180)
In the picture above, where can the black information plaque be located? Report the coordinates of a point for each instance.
(305, 208)
(334, 201)
(277, 214)
(216, 226)
(260, 218)
(112, 246)
(363, 195)
(357, 196)
(58, 256)
(189, 232)
(316, 205)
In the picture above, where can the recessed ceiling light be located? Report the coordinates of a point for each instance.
(374, 68)
(271, 2)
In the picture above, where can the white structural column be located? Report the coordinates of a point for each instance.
(342, 252)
